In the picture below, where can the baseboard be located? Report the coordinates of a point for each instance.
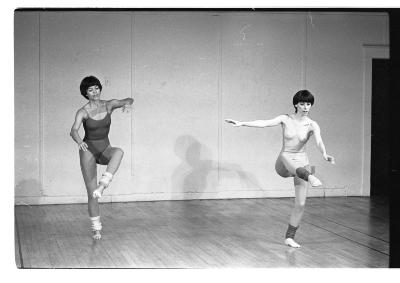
(222, 194)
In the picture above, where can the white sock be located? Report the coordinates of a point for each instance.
(96, 227)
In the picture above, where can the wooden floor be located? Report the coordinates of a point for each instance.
(335, 232)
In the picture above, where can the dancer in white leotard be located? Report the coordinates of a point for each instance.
(292, 160)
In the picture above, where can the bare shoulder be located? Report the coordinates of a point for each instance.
(82, 112)
(314, 125)
(283, 118)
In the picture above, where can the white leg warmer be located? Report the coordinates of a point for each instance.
(96, 224)
(106, 179)
(103, 183)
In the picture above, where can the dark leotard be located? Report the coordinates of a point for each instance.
(96, 137)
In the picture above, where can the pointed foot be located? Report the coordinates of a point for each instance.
(314, 181)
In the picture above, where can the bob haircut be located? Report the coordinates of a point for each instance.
(88, 82)
(302, 96)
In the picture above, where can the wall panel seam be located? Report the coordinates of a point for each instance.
(304, 55)
(133, 75)
(41, 106)
(219, 22)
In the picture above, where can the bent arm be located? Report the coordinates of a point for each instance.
(75, 127)
(318, 138)
(259, 123)
(320, 143)
(118, 103)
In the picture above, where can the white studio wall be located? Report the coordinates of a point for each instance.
(187, 72)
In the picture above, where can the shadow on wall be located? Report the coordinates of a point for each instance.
(198, 172)
(27, 188)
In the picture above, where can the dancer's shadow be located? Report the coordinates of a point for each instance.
(198, 172)
(291, 256)
(197, 177)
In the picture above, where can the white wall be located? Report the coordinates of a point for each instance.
(335, 69)
(187, 72)
(28, 181)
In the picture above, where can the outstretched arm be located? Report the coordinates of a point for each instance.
(320, 143)
(258, 123)
(118, 103)
(75, 128)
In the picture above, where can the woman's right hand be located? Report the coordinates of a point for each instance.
(234, 122)
(329, 158)
(83, 146)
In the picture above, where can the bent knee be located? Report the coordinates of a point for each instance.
(119, 152)
(303, 173)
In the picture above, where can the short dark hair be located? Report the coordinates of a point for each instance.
(302, 96)
(88, 82)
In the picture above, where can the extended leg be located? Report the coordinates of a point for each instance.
(297, 212)
(114, 155)
(88, 168)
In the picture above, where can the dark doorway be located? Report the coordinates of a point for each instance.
(380, 143)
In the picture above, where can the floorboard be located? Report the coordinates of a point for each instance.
(335, 232)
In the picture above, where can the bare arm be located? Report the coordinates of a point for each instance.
(118, 103)
(320, 143)
(75, 128)
(258, 123)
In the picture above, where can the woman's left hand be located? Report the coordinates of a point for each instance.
(329, 158)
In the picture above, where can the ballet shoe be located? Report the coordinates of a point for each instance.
(314, 181)
(291, 243)
(96, 235)
(97, 193)
(96, 227)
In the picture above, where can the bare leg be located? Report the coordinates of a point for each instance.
(298, 210)
(300, 201)
(88, 168)
(115, 156)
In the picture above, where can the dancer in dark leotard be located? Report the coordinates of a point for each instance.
(95, 147)
(96, 137)
(292, 160)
